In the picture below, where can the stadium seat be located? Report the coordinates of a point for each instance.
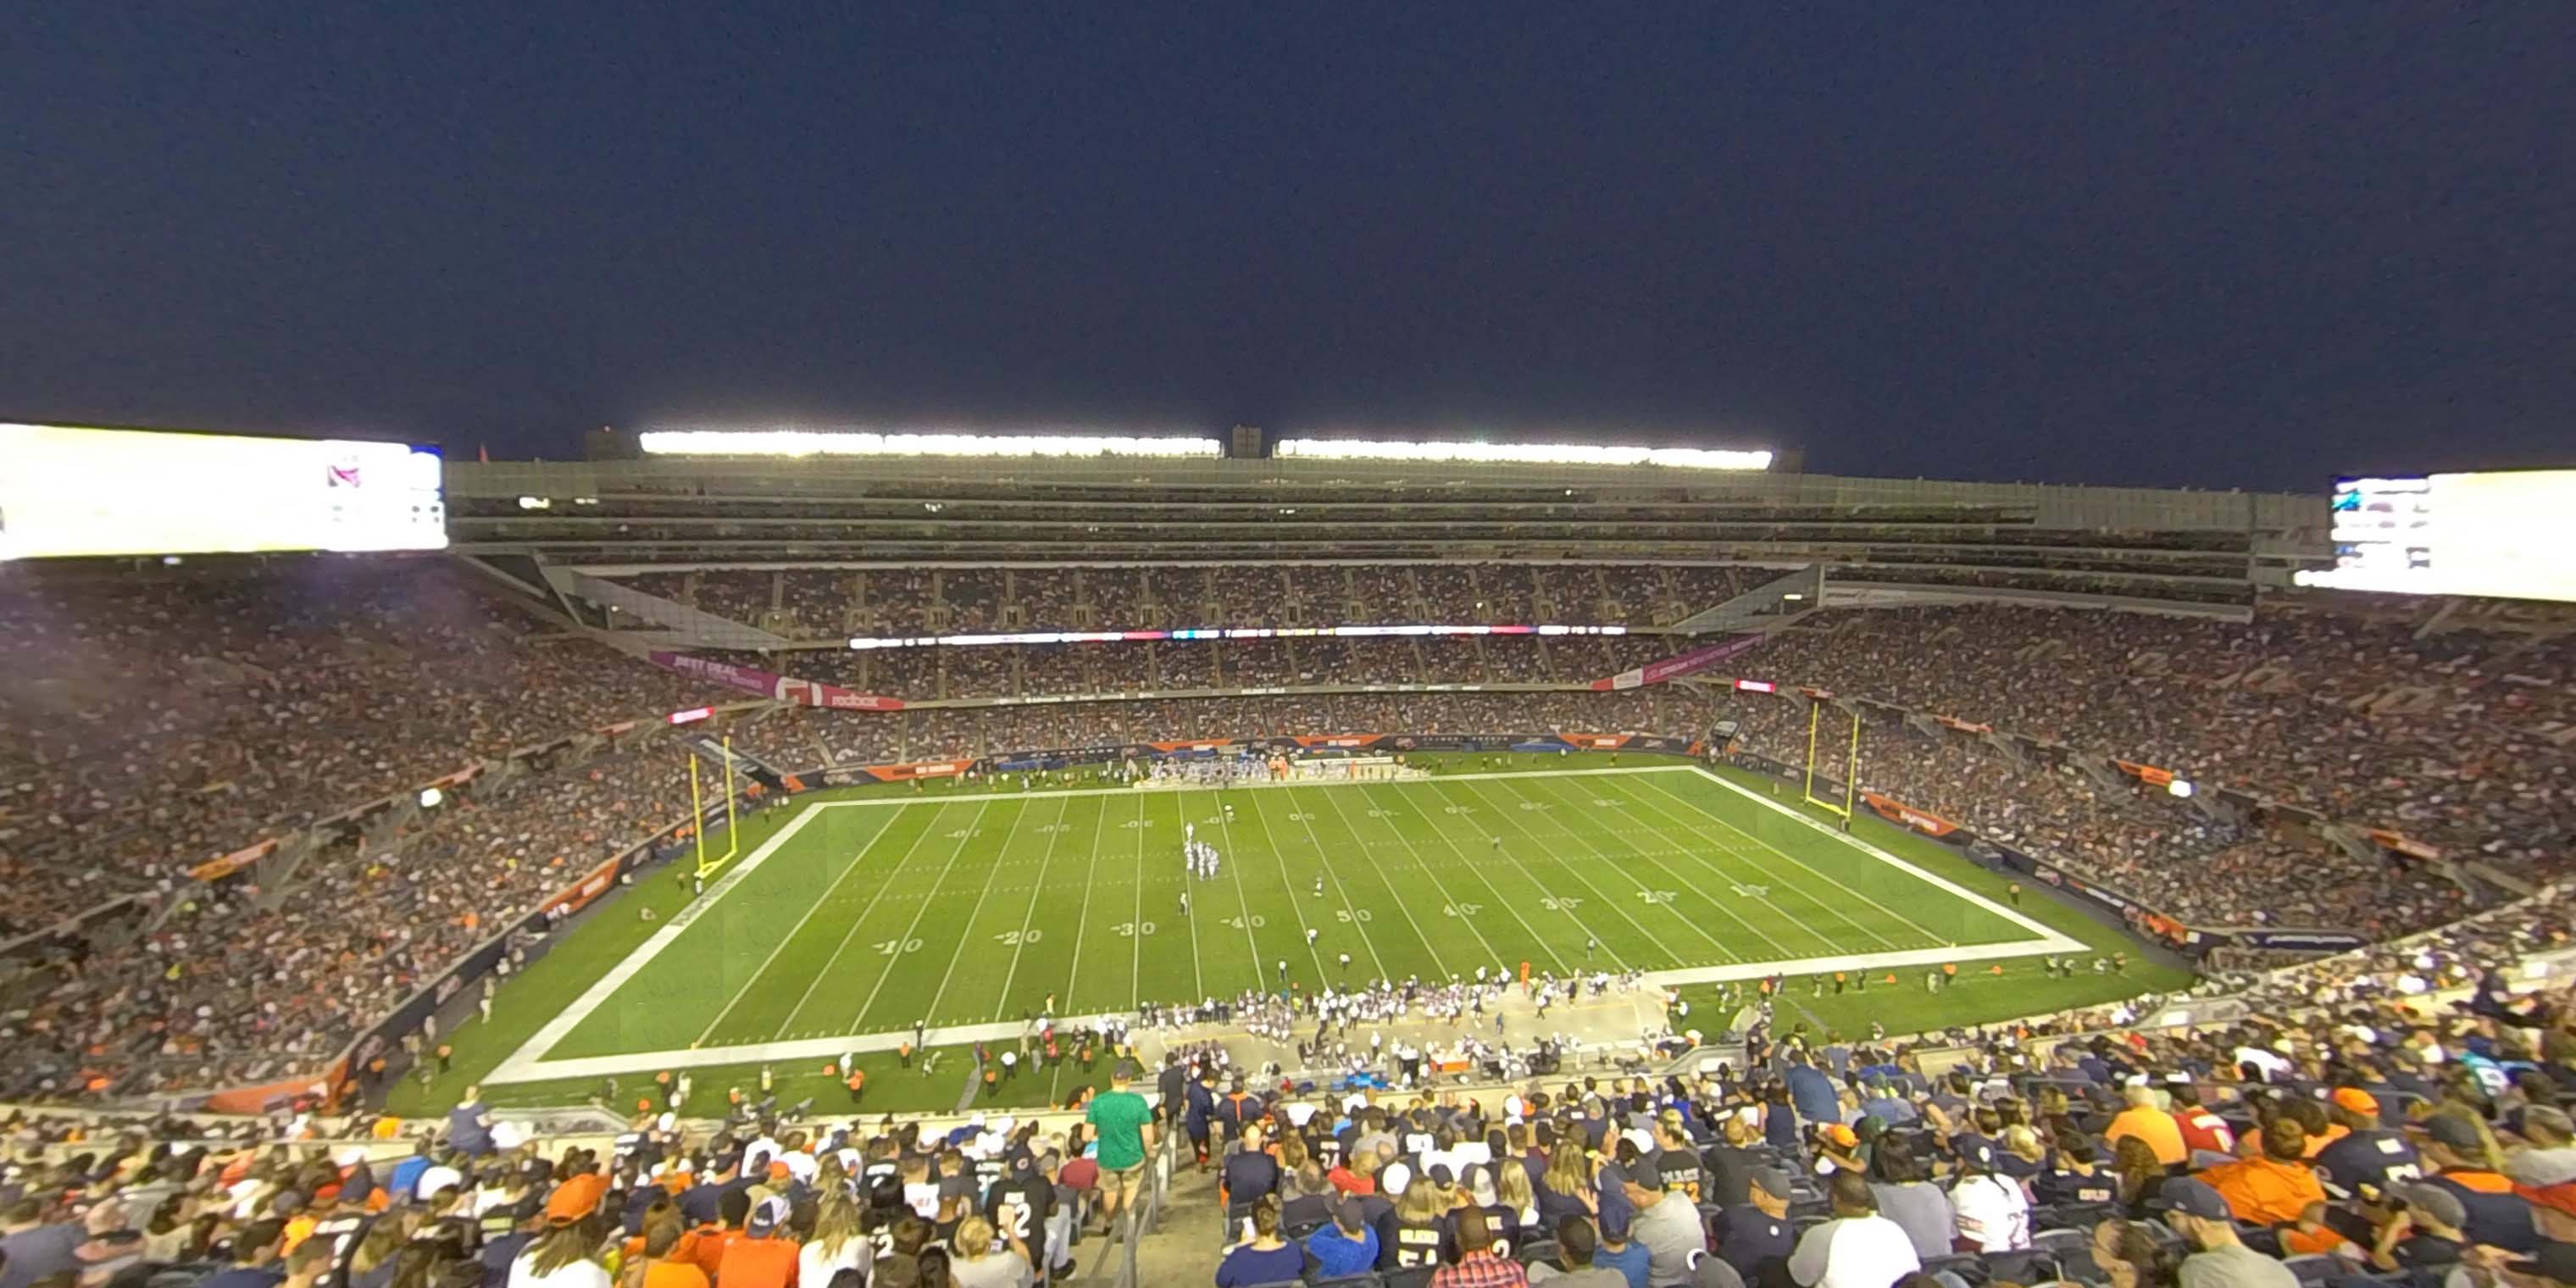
(1365, 1279)
(1536, 1251)
(2315, 1267)
(1409, 1277)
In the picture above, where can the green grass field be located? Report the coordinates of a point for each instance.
(851, 915)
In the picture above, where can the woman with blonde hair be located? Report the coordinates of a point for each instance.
(565, 1256)
(837, 1244)
(2023, 1155)
(974, 1263)
(1512, 1190)
(1565, 1189)
(1417, 1222)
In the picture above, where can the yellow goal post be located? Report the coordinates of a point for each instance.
(708, 863)
(1851, 762)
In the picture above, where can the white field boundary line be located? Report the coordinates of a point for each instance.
(587, 1067)
(531, 1053)
(2055, 941)
(528, 1063)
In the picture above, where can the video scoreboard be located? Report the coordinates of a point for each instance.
(2505, 534)
(68, 491)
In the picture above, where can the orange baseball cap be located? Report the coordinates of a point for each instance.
(2356, 1100)
(1842, 1137)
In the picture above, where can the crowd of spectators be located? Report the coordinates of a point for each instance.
(2133, 837)
(2456, 739)
(159, 718)
(2395, 1117)
(240, 983)
(827, 603)
(799, 739)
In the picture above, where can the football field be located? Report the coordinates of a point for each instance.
(970, 908)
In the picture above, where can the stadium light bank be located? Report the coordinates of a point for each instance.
(1684, 458)
(802, 442)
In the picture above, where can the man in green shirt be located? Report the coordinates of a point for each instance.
(1126, 1128)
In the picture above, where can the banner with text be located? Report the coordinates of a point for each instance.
(776, 687)
(1679, 664)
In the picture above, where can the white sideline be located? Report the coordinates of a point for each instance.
(600, 1066)
(528, 1062)
(2057, 942)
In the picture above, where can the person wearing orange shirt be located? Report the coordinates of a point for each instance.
(2276, 1187)
(764, 1257)
(2145, 1121)
(663, 1270)
(706, 1247)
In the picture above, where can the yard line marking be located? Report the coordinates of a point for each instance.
(1400, 905)
(1509, 905)
(1755, 860)
(1030, 915)
(1312, 951)
(843, 946)
(1710, 897)
(1500, 961)
(2053, 939)
(783, 941)
(1198, 972)
(1082, 919)
(1136, 967)
(1243, 898)
(915, 924)
(991, 871)
(1614, 905)
(1829, 877)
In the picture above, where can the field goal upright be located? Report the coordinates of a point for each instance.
(1851, 763)
(708, 863)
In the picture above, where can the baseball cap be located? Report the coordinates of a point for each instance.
(2191, 1198)
(1772, 1181)
(766, 1218)
(1443, 1177)
(2438, 1203)
(1841, 1137)
(1350, 1214)
(2453, 1131)
(1980, 1155)
(1645, 1175)
(2557, 1262)
(2356, 1100)
(1394, 1179)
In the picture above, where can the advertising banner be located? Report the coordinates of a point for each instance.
(771, 685)
(217, 869)
(1679, 664)
(846, 775)
(1899, 812)
(2404, 844)
(592, 885)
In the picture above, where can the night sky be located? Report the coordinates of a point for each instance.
(2213, 245)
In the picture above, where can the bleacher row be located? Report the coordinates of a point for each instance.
(808, 603)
